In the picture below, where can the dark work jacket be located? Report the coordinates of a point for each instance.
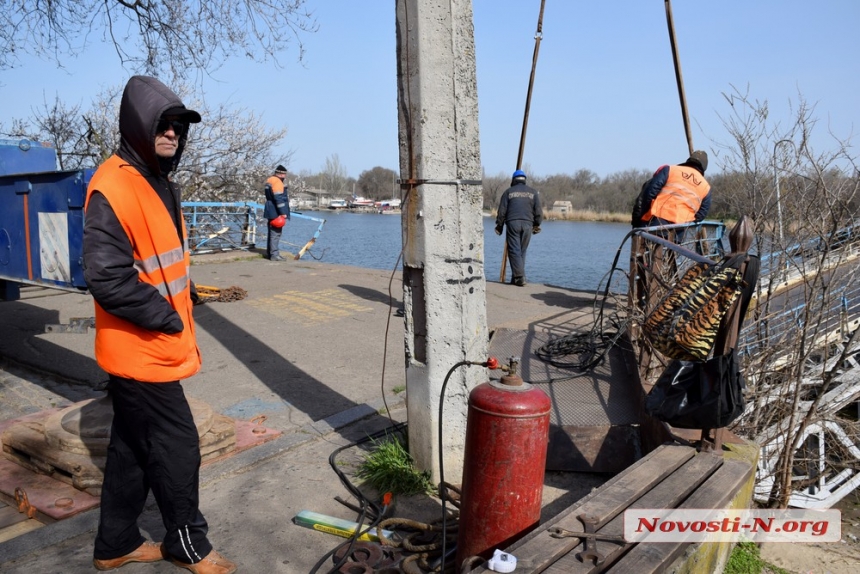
(519, 202)
(108, 256)
(277, 201)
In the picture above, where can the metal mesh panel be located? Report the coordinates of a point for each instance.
(599, 397)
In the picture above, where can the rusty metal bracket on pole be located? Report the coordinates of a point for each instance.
(538, 38)
(414, 182)
(678, 77)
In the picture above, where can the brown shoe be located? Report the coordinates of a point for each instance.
(146, 552)
(214, 563)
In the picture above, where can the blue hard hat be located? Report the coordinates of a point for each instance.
(519, 173)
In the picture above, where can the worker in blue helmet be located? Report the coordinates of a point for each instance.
(521, 214)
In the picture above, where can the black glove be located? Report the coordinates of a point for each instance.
(498, 230)
(536, 229)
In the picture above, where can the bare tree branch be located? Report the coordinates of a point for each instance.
(157, 36)
(802, 202)
(227, 156)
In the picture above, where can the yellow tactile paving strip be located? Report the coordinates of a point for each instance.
(311, 308)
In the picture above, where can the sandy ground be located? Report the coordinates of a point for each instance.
(835, 558)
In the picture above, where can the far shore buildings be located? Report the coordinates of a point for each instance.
(562, 207)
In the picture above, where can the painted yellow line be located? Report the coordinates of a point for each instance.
(311, 308)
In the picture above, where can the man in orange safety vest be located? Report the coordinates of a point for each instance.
(675, 194)
(136, 265)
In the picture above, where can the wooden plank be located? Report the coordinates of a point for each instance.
(539, 550)
(78, 470)
(717, 492)
(9, 515)
(668, 494)
(27, 444)
(629, 487)
(18, 529)
(219, 439)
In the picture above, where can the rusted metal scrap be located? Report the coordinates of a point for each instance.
(215, 294)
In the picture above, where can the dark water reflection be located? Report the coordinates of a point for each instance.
(571, 254)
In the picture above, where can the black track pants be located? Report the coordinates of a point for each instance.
(153, 445)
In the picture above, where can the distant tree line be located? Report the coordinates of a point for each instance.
(584, 189)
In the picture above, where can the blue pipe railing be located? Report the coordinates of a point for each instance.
(843, 295)
(224, 226)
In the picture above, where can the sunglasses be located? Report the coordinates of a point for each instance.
(164, 125)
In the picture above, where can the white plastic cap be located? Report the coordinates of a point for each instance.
(502, 562)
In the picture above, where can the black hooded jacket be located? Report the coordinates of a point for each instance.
(108, 256)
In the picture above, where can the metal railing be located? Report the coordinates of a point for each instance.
(214, 226)
(226, 226)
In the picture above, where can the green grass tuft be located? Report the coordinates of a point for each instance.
(388, 467)
(746, 559)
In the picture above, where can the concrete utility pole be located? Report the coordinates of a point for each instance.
(444, 291)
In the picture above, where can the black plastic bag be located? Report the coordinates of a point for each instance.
(697, 394)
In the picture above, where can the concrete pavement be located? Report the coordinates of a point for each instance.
(305, 349)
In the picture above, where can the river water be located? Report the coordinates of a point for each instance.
(572, 254)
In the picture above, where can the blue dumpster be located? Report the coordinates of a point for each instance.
(42, 220)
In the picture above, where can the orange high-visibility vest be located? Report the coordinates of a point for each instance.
(276, 184)
(681, 197)
(162, 260)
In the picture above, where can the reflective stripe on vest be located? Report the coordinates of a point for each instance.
(681, 197)
(162, 260)
(150, 265)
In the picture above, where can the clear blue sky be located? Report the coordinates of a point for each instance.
(605, 97)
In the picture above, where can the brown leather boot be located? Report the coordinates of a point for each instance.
(214, 563)
(146, 552)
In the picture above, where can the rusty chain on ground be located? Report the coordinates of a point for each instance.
(208, 294)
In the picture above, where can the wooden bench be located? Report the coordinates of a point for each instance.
(672, 476)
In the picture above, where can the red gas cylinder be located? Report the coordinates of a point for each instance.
(507, 432)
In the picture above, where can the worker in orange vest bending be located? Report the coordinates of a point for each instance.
(675, 194)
